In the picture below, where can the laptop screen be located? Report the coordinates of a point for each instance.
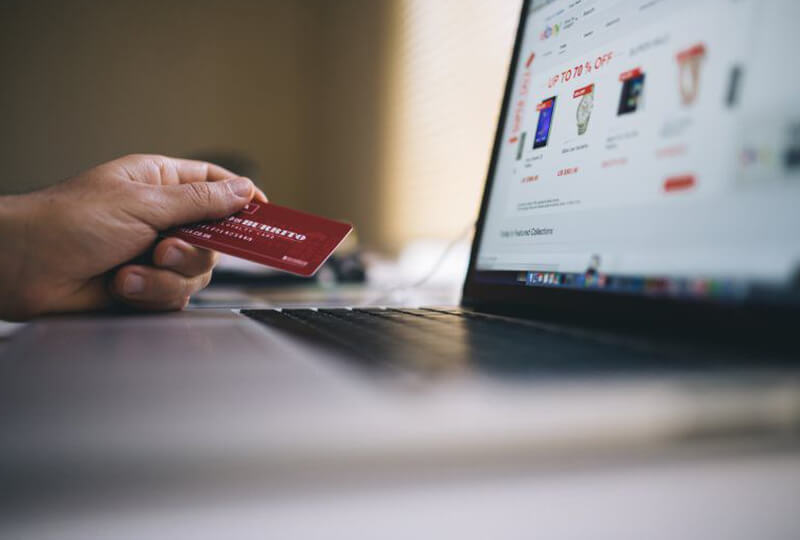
(650, 147)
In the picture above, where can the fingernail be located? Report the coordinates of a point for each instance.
(241, 187)
(172, 257)
(134, 284)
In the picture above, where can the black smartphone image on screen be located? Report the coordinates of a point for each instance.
(733, 86)
(631, 96)
(521, 146)
(546, 109)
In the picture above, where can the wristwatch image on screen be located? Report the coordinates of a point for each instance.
(584, 112)
(689, 64)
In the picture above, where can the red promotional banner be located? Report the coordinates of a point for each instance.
(583, 91)
(679, 183)
(530, 60)
(544, 105)
(630, 74)
(695, 50)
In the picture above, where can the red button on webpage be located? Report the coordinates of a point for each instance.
(679, 183)
(583, 91)
(697, 50)
(630, 74)
(544, 105)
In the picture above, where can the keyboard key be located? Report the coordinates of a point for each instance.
(449, 339)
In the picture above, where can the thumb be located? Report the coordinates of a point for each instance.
(200, 201)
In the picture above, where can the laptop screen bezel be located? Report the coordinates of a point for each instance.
(581, 305)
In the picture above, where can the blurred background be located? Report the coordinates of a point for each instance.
(380, 112)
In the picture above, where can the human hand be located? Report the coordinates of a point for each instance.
(90, 242)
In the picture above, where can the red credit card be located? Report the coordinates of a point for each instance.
(272, 235)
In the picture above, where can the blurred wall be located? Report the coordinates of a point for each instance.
(87, 81)
(343, 146)
(448, 65)
(380, 112)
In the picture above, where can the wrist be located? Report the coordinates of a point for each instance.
(15, 223)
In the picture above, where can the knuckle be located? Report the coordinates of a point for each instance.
(142, 158)
(193, 285)
(201, 194)
(153, 201)
(169, 289)
(204, 261)
(146, 193)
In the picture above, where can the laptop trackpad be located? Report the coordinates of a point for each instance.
(136, 362)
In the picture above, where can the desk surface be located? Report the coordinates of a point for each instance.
(741, 489)
(730, 497)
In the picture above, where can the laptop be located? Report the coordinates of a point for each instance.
(644, 179)
(633, 283)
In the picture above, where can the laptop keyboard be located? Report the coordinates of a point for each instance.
(449, 339)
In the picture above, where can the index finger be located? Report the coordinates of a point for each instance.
(168, 171)
(190, 170)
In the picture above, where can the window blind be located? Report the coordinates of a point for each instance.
(448, 65)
